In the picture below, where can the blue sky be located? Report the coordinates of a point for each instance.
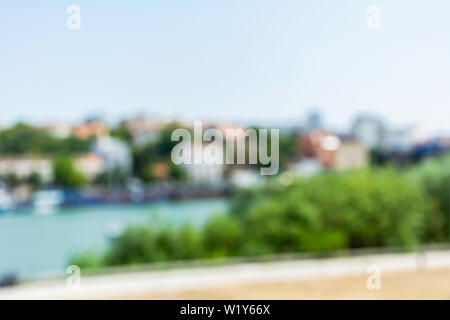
(244, 60)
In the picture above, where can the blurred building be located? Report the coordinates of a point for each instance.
(204, 173)
(23, 167)
(209, 173)
(160, 170)
(403, 140)
(313, 120)
(115, 153)
(143, 129)
(370, 130)
(319, 145)
(322, 149)
(350, 155)
(22, 193)
(91, 165)
(305, 167)
(90, 128)
(235, 132)
(431, 147)
(59, 130)
(245, 177)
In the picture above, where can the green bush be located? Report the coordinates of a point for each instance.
(25, 139)
(330, 211)
(365, 208)
(434, 177)
(289, 225)
(66, 174)
(373, 207)
(144, 244)
(223, 236)
(88, 259)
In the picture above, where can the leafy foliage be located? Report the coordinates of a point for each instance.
(330, 211)
(434, 176)
(25, 139)
(157, 151)
(66, 174)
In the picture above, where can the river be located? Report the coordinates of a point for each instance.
(32, 244)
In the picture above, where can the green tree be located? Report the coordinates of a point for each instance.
(35, 179)
(25, 139)
(434, 176)
(66, 174)
(122, 133)
(157, 151)
(144, 244)
(223, 236)
(327, 212)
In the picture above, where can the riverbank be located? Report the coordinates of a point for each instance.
(424, 275)
(33, 244)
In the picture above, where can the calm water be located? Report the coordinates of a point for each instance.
(31, 243)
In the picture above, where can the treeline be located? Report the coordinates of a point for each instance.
(356, 209)
(24, 139)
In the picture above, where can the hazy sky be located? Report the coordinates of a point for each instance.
(237, 60)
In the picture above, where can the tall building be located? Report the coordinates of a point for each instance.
(369, 130)
(314, 120)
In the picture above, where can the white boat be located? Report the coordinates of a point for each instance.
(113, 231)
(47, 201)
(6, 199)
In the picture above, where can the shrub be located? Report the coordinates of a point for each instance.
(373, 207)
(289, 225)
(144, 244)
(66, 174)
(434, 177)
(330, 211)
(357, 209)
(88, 259)
(223, 236)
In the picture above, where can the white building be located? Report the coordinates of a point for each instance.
(245, 178)
(114, 152)
(24, 167)
(204, 173)
(351, 155)
(90, 165)
(369, 130)
(403, 139)
(210, 172)
(59, 130)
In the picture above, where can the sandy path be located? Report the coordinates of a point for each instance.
(403, 276)
(426, 284)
